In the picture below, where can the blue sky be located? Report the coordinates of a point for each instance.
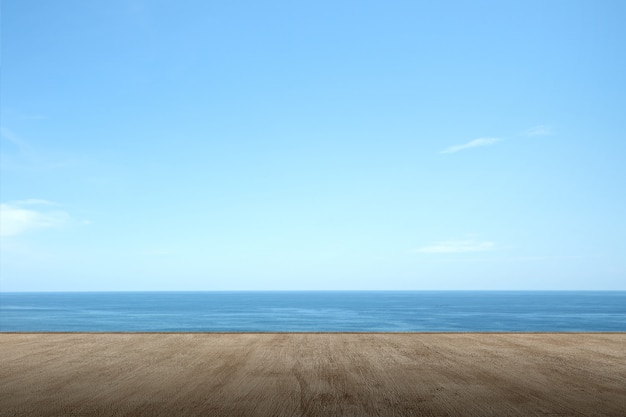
(281, 145)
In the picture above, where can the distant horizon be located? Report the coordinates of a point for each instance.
(356, 290)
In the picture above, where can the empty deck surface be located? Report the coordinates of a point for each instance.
(308, 374)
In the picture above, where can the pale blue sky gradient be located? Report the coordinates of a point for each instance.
(282, 145)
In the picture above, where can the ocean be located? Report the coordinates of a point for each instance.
(315, 311)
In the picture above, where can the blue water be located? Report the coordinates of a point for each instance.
(339, 311)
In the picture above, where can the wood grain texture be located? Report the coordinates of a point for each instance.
(295, 374)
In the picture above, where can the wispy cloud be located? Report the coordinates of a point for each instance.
(19, 217)
(8, 135)
(19, 154)
(34, 202)
(158, 252)
(541, 130)
(471, 144)
(457, 246)
(15, 152)
(34, 117)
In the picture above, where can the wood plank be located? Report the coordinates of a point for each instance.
(313, 374)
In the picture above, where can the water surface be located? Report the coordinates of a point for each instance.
(314, 311)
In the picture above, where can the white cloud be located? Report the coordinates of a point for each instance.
(457, 246)
(16, 219)
(541, 130)
(472, 144)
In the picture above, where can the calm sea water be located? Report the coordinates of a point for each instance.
(339, 311)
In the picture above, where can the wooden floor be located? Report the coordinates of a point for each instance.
(293, 374)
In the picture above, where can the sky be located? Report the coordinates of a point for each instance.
(316, 145)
